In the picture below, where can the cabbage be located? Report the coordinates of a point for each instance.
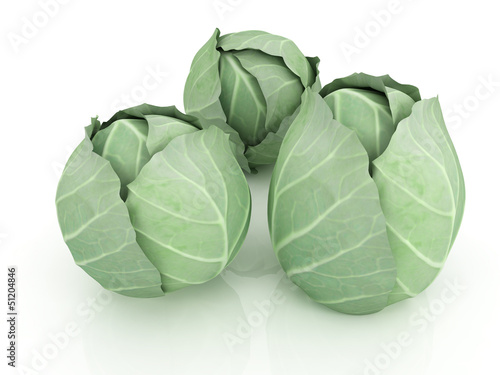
(248, 84)
(367, 194)
(149, 203)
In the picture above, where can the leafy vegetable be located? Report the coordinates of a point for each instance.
(352, 240)
(148, 203)
(248, 84)
(365, 202)
(422, 193)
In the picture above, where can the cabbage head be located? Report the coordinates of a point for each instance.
(248, 83)
(149, 203)
(367, 194)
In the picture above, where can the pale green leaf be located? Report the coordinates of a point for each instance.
(96, 225)
(367, 113)
(267, 151)
(281, 88)
(242, 100)
(163, 129)
(123, 144)
(327, 227)
(422, 193)
(272, 45)
(202, 92)
(401, 97)
(190, 207)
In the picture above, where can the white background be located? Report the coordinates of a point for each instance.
(86, 57)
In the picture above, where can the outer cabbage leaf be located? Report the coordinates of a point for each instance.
(326, 223)
(190, 207)
(422, 193)
(202, 92)
(242, 100)
(96, 226)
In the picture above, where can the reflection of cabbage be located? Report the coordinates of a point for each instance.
(364, 209)
(191, 328)
(303, 324)
(148, 203)
(247, 83)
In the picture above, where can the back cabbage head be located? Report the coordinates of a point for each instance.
(248, 84)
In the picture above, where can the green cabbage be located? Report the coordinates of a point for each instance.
(247, 84)
(149, 203)
(367, 194)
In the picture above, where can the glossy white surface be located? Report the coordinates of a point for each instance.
(92, 57)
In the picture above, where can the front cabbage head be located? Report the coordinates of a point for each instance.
(367, 194)
(148, 203)
(248, 84)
